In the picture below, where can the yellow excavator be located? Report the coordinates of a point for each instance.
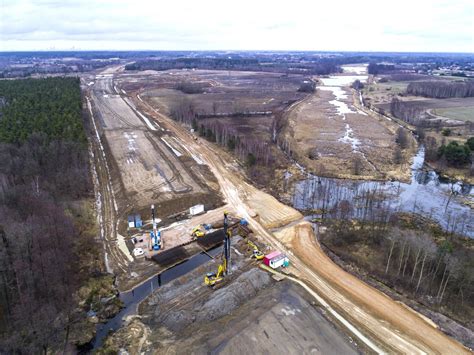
(257, 254)
(197, 232)
(212, 278)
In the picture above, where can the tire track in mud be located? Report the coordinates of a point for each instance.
(374, 321)
(176, 174)
(105, 104)
(106, 205)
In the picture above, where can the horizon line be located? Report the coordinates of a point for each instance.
(230, 50)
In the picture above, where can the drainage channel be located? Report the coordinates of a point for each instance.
(132, 298)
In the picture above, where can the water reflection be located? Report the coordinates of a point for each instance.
(426, 194)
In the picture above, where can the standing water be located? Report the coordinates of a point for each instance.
(131, 299)
(427, 194)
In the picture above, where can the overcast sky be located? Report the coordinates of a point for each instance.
(334, 25)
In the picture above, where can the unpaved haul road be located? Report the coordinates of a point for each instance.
(389, 326)
(386, 326)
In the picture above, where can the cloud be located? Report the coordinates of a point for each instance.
(364, 25)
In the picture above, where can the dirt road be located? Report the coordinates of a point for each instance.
(136, 163)
(149, 162)
(390, 326)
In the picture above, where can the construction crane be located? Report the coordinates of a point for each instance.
(155, 235)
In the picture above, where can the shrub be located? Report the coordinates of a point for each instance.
(446, 132)
(307, 86)
(357, 85)
(470, 143)
(251, 159)
(455, 154)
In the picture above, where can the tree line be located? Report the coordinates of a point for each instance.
(51, 106)
(441, 89)
(43, 173)
(410, 112)
(321, 66)
(435, 271)
(375, 69)
(440, 271)
(248, 147)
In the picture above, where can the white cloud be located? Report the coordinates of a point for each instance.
(405, 25)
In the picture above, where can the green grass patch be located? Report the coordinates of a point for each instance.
(457, 113)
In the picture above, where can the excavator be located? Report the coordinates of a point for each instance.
(197, 232)
(212, 278)
(223, 269)
(257, 254)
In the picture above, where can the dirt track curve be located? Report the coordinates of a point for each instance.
(390, 326)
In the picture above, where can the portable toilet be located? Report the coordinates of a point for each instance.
(138, 221)
(131, 222)
(155, 241)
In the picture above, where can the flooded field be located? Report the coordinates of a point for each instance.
(132, 298)
(332, 135)
(427, 194)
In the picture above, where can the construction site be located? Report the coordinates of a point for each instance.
(206, 262)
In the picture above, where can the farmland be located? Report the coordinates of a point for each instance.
(439, 108)
(451, 111)
(460, 113)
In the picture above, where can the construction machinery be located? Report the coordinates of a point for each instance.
(224, 268)
(256, 253)
(227, 236)
(197, 232)
(155, 234)
(212, 278)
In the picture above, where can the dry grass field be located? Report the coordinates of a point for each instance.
(332, 135)
(457, 113)
(321, 138)
(217, 92)
(247, 104)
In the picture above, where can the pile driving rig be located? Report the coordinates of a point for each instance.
(223, 269)
(156, 242)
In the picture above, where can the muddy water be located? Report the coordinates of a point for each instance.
(132, 299)
(427, 194)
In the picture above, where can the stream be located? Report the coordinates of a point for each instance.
(427, 194)
(131, 299)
